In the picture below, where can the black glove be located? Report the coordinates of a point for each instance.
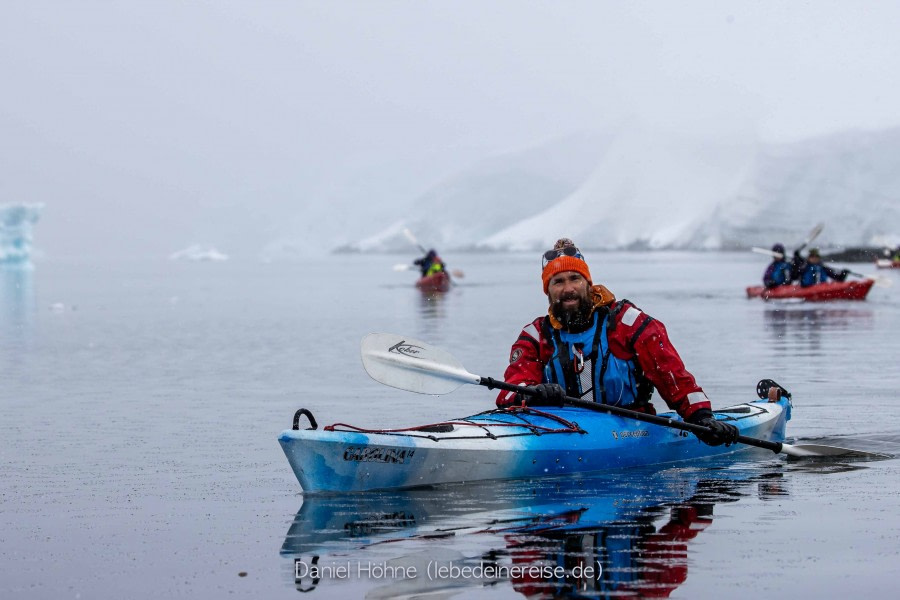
(842, 275)
(546, 394)
(720, 432)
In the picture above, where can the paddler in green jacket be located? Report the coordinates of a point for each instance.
(592, 347)
(430, 264)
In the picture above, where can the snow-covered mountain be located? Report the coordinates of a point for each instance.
(651, 189)
(654, 189)
(465, 209)
(849, 181)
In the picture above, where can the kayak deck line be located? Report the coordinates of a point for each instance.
(485, 422)
(532, 429)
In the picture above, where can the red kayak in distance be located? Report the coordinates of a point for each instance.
(821, 292)
(436, 282)
(886, 263)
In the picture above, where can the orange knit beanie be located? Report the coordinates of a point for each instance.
(562, 264)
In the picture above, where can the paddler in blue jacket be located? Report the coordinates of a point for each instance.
(814, 272)
(779, 271)
(592, 347)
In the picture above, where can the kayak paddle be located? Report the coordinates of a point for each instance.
(812, 235)
(413, 365)
(878, 279)
(409, 235)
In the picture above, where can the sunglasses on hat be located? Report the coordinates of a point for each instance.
(554, 254)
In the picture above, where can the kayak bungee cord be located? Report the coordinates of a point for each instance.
(485, 424)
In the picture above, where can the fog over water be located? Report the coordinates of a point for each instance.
(148, 127)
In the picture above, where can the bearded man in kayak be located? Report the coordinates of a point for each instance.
(592, 347)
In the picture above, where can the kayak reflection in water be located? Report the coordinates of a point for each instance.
(593, 347)
(646, 556)
(600, 536)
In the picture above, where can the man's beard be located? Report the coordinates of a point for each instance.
(577, 318)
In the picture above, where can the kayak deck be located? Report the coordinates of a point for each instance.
(505, 444)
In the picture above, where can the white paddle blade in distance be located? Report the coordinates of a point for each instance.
(402, 362)
(767, 252)
(814, 234)
(409, 235)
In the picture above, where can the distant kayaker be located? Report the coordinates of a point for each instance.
(592, 347)
(779, 271)
(430, 264)
(814, 272)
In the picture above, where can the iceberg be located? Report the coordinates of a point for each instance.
(16, 223)
(461, 210)
(199, 252)
(649, 188)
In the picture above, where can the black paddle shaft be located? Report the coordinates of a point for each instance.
(492, 383)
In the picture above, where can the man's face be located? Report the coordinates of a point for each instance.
(570, 299)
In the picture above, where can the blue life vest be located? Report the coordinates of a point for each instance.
(778, 273)
(812, 275)
(583, 364)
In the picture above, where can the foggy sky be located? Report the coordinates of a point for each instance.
(147, 126)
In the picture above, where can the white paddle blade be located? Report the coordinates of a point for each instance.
(412, 239)
(767, 252)
(402, 362)
(819, 451)
(876, 279)
(402, 267)
(814, 233)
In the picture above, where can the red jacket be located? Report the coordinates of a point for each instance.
(633, 335)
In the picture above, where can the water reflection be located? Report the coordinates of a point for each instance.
(432, 305)
(17, 303)
(792, 327)
(601, 536)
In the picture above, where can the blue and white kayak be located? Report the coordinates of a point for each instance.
(506, 444)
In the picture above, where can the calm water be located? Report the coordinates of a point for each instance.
(141, 402)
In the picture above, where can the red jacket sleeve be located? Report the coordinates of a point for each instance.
(637, 335)
(527, 358)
